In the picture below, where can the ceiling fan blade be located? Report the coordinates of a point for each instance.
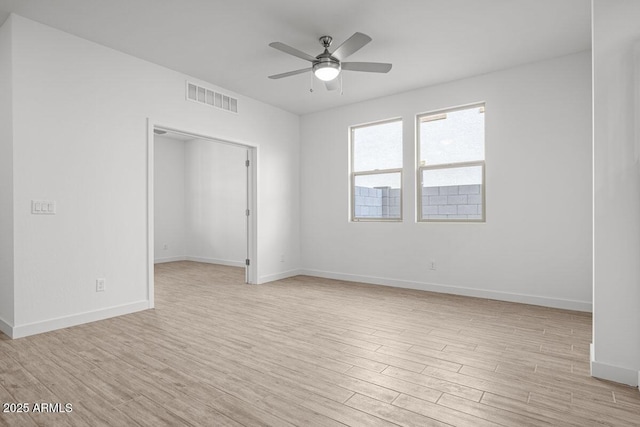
(332, 84)
(351, 46)
(290, 73)
(370, 67)
(292, 51)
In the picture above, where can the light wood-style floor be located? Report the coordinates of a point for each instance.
(314, 352)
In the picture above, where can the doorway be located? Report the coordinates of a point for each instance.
(201, 201)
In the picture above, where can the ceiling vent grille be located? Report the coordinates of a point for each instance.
(211, 98)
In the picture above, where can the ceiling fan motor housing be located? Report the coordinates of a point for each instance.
(325, 41)
(326, 67)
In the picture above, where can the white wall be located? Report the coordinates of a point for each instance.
(6, 179)
(216, 200)
(616, 330)
(169, 200)
(80, 138)
(536, 243)
(200, 201)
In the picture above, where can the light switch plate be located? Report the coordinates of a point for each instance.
(43, 207)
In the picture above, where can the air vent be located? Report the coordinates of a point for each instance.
(211, 98)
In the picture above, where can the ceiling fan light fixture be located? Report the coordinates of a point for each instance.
(329, 65)
(326, 71)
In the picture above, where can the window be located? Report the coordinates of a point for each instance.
(451, 165)
(376, 171)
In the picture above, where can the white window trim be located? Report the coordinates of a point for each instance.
(372, 172)
(353, 195)
(421, 168)
(480, 163)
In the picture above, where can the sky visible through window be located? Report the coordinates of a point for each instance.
(457, 136)
(453, 137)
(378, 147)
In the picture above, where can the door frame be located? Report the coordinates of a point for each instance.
(251, 275)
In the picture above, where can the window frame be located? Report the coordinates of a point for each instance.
(421, 168)
(354, 174)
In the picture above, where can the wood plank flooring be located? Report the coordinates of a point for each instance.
(313, 352)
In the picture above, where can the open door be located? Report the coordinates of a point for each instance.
(251, 270)
(248, 215)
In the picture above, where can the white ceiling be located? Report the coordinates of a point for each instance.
(225, 42)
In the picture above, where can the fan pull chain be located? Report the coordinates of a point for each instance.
(311, 83)
(341, 91)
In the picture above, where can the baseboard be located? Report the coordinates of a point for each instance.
(279, 276)
(169, 259)
(215, 261)
(76, 319)
(456, 290)
(200, 259)
(615, 373)
(6, 328)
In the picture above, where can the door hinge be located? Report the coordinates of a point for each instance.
(247, 212)
(247, 262)
(247, 163)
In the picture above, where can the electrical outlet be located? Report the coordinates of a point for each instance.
(432, 264)
(282, 258)
(100, 285)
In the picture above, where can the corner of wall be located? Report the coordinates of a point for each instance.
(616, 374)
(612, 373)
(6, 328)
(7, 283)
(615, 102)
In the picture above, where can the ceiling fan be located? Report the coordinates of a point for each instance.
(328, 65)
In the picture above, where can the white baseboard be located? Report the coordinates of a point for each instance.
(279, 276)
(455, 290)
(215, 261)
(615, 373)
(20, 331)
(169, 259)
(200, 259)
(6, 328)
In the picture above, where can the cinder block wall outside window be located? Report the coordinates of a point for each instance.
(377, 202)
(452, 202)
(445, 202)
